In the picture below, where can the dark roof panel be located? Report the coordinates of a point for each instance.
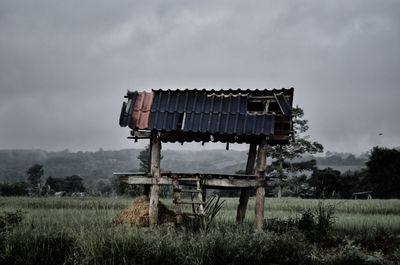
(224, 123)
(283, 104)
(198, 102)
(163, 121)
(127, 109)
(218, 112)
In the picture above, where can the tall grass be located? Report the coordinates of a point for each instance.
(351, 216)
(81, 231)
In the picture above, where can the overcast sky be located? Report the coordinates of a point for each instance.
(66, 65)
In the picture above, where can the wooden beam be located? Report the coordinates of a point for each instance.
(245, 192)
(155, 172)
(208, 183)
(260, 191)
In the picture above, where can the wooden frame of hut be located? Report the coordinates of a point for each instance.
(255, 117)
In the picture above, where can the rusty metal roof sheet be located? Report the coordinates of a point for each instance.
(141, 110)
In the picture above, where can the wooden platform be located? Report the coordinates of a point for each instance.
(225, 181)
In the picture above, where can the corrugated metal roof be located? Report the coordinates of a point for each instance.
(229, 123)
(198, 101)
(202, 111)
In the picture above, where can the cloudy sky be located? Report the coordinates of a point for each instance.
(66, 65)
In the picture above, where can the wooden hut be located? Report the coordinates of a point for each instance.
(255, 117)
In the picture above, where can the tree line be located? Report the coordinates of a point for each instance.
(35, 185)
(380, 177)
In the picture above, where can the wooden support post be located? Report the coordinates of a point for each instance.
(245, 192)
(200, 209)
(177, 198)
(155, 173)
(146, 191)
(260, 191)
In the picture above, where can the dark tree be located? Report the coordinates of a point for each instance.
(325, 183)
(283, 155)
(298, 186)
(14, 189)
(353, 181)
(34, 174)
(144, 158)
(55, 184)
(74, 183)
(384, 172)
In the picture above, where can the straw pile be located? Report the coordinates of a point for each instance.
(138, 214)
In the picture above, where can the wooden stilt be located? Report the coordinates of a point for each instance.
(146, 191)
(177, 198)
(245, 192)
(260, 191)
(155, 173)
(200, 209)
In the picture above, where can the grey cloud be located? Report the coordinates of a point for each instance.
(65, 65)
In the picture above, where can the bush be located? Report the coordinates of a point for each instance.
(354, 256)
(9, 220)
(315, 226)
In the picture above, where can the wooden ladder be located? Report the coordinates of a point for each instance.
(196, 194)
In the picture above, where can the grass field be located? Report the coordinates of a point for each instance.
(85, 228)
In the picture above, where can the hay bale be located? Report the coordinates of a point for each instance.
(138, 214)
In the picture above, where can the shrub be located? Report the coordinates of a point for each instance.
(315, 226)
(354, 256)
(9, 220)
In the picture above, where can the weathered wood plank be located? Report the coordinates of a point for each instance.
(200, 209)
(245, 192)
(260, 191)
(192, 175)
(123, 174)
(177, 197)
(155, 172)
(226, 183)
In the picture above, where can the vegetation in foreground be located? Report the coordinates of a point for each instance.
(81, 231)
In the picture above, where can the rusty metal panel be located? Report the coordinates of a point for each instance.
(141, 110)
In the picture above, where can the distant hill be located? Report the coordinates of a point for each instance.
(101, 164)
(14, 163)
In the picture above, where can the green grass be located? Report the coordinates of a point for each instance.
(84, 229)
(351, 216)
